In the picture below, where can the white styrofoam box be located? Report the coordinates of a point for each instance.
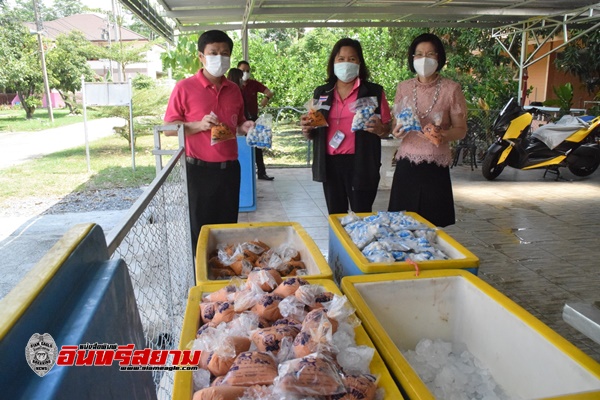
(270, 233)
(525, 357)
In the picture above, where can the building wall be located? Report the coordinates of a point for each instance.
(544, 76)
(152, 67)
(538, 74)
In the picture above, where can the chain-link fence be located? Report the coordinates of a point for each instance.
(155, 243)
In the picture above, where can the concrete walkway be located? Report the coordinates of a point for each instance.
(18, 147)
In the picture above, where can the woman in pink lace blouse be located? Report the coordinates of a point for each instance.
(434, 113)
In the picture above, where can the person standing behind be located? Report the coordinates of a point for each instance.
(199, 103)
(250, 90)
(235, 75)
(348, 162)
(421, 180)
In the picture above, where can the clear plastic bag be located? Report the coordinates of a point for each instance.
(252, 368)
(340, 310)
(270, 339)
(316, 118)
(267, 278)
(363, 235)
(225, 293)
(261, 134)
(201, 379)
(289, 286)
(247, 297)
(431, 131)
(293, 308)
(356, 359)
(362, 386)
(220, 132)
(287, 252)
(406, 116)
(230, 254)
(363, 109)
(351, 217)
(307, 293)
(313, 375)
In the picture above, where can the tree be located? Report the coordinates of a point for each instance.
(582, 59)
(65, 8)
(293, 62)
(183, 58)
(125, 53)
(20, 62)
(23, 11)
(67, 61)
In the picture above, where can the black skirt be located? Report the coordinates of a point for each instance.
(425, 189)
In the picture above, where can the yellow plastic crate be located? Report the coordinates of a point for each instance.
(183, 386)
(346, 259)
(525, 357)
(271, 233)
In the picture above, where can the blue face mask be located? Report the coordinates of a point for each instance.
(346, 71)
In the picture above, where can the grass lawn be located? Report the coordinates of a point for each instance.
(289, 148)
(58, 174)
(13, 120)
(64, 172)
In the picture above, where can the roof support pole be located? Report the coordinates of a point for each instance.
(245, 44)
(247, 13)
(524, 36)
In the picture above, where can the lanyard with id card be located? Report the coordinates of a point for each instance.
(337, 139)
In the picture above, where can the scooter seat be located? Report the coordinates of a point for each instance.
(554, 134)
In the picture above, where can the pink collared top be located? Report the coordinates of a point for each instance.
(450, 100)
(340, 118)
(195, 97)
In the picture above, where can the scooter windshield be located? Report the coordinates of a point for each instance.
(507, 105)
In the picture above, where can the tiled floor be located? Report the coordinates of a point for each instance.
(537, 239)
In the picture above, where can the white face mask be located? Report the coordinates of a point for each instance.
(245, 76)
(346, 71)
(425, 66)
(217, 66)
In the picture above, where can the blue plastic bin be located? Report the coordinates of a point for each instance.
(248, 179)
(78, 296)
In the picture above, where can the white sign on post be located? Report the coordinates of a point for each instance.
(107, 94)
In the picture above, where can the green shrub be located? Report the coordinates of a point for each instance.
(143, 82)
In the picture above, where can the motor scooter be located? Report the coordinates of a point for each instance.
(577, 149)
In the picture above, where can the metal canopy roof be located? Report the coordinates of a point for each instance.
(200, 15)
(507, 18)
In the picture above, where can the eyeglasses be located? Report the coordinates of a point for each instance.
(429, 54)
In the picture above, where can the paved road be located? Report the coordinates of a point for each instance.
(18, 147)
